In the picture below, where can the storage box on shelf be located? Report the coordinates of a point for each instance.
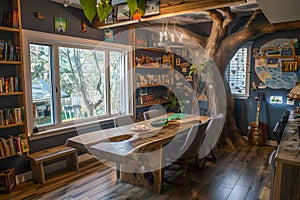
(13, 136)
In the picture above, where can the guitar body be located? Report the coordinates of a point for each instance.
(258, 135)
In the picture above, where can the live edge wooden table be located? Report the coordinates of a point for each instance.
(287, 163)
(135, 150)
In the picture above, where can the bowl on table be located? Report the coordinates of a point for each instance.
(159, 122)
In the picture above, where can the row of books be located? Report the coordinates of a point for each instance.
(9, 51)
(9, 84)
(14, 145)
(10, 116)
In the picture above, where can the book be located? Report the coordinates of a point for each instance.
(12, 19)
(24, 143)
(2, 50)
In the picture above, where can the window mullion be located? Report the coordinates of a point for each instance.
(107, 80)
(56, 85)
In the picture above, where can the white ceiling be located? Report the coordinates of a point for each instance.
(275, 10)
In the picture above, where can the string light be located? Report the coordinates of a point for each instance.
(67, 3)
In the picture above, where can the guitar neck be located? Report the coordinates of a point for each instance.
(257, 113)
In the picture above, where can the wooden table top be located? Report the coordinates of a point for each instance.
(116, 143)
(289, 147)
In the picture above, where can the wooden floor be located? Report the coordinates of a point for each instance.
(240, 174)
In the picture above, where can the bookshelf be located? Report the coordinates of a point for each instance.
(153, 78)
(13, 136)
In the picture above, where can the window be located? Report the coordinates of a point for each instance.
(237, 73)
(73, 79)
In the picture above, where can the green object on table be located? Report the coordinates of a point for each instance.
(177, 116)
(159, 122)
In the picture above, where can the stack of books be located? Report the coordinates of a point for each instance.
(14, 145)
(9, 84)
(10, 116)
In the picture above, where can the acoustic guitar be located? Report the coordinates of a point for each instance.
(257, 134)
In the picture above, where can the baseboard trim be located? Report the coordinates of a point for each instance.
(26, 176)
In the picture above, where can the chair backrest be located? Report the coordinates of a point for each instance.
(151, 114)
(212, 135)
(278, 130)
(123, 120)
(193, 140)
(284, 117)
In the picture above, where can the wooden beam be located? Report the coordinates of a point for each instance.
(173, 8)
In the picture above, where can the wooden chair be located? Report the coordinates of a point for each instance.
(152, 114)
(123, 120)
(180, 151)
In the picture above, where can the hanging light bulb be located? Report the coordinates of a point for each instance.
(170, 38)
(67, 3)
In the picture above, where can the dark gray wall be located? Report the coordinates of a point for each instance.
(50, 10)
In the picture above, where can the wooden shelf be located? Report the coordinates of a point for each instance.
(150, 49)
(153, 103)
(4, 28)
(149, 67)
(11, 93)
(7, 62)
(12, 125)
(8, 156)
(153, 85)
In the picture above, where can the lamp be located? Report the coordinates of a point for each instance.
(170, 38)
(295, 92)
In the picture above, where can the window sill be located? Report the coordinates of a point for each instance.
(70, 128)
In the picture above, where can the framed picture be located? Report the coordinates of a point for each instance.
(289, 65)
(110, 18)
(152, 8)
(108, 35)
(123, 12)
(60, 24)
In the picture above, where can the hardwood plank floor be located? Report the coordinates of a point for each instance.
(239, 174)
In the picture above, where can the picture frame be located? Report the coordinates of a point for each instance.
(60, 24)
(110, 18)
(123, 12)
(108, 35)
(289, 65)
(152, 8)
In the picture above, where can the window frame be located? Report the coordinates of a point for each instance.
(57, 41)
(248, 46)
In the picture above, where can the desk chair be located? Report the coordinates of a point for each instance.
(151, 114)
(212, 135)
(123, 120)
(185, 149)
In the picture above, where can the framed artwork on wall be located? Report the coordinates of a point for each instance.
(123, 12)
(110, 18)
(60, 24)
(152, 8)
(108, 35)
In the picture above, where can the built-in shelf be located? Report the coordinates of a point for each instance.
(153, 103)
(153, 85)
(151, 49)
(151, 67)
(12, 125)
(7, 62)
(11, 93)
(4, 28)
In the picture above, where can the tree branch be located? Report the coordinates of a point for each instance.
(252, 18)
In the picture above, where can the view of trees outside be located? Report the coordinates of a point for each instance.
(40, 60)
(82, 77)
(82, 83)
(116, 82)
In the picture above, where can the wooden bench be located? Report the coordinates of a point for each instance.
(38, 158)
